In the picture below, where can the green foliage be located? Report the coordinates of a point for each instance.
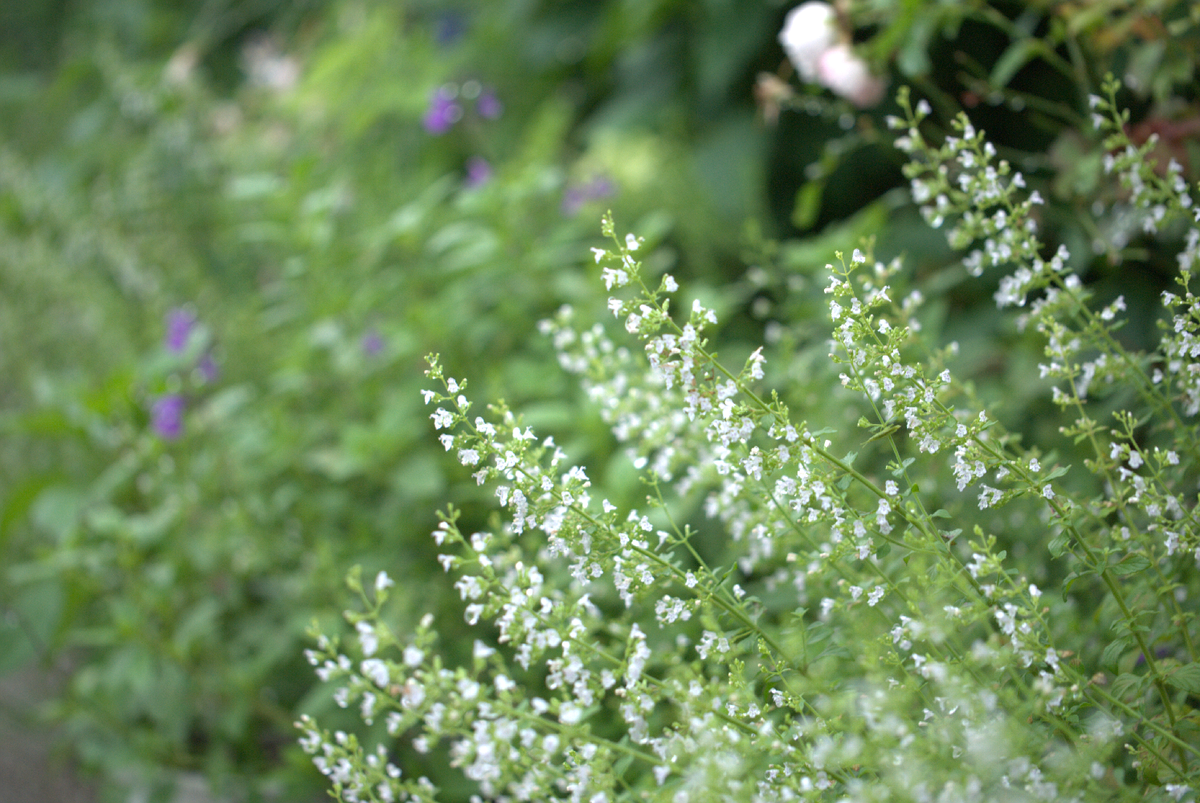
(840, 641)
(175, 509)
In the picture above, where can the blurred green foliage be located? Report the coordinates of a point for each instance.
(268, 168)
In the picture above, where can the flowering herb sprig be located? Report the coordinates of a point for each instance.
(862, 630)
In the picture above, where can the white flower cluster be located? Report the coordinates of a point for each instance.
(820, 632)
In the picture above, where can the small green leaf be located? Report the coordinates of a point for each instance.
(1058, 545)
(808, 204)
(1113, 652)
(883, 433)
(1070, 581)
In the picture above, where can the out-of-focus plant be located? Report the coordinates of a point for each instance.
(226, 416)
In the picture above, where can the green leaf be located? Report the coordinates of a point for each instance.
(1056, 472)
(1017, 55)
(1130, 565)
(808, 204)
(1058, 545)
(1129, 685)
(883, 433)
(1186, 678)
(1072, 578)
(1113, 652)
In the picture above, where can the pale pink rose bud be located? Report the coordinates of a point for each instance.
(843, 71)
(808, 31)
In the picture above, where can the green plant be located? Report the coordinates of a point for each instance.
(855, 619)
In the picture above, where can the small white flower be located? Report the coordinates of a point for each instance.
(376, 671)
(631, 242)
(570, 714)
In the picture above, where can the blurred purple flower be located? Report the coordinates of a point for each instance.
(444, 111)
(450, 27)
(179, 328)
(488, 105)
(206, 367)
(576, 195)
(478, 171)
(166, 416)
(372, 343)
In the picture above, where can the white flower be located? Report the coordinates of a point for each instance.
(377, 671)
(808, 31)
(367, 638)
(843, 71)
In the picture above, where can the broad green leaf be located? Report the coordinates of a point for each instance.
(1186, 678)
(1129, 685)
(1130, 565)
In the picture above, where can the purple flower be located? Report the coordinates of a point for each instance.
(206, 367)
(166, 416)
(444, 111)
(488, 105)
(450, 27)
(478, 171)
(576, 195)
(372, 343)
(179, 328)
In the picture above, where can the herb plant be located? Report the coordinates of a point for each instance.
(797, 612)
